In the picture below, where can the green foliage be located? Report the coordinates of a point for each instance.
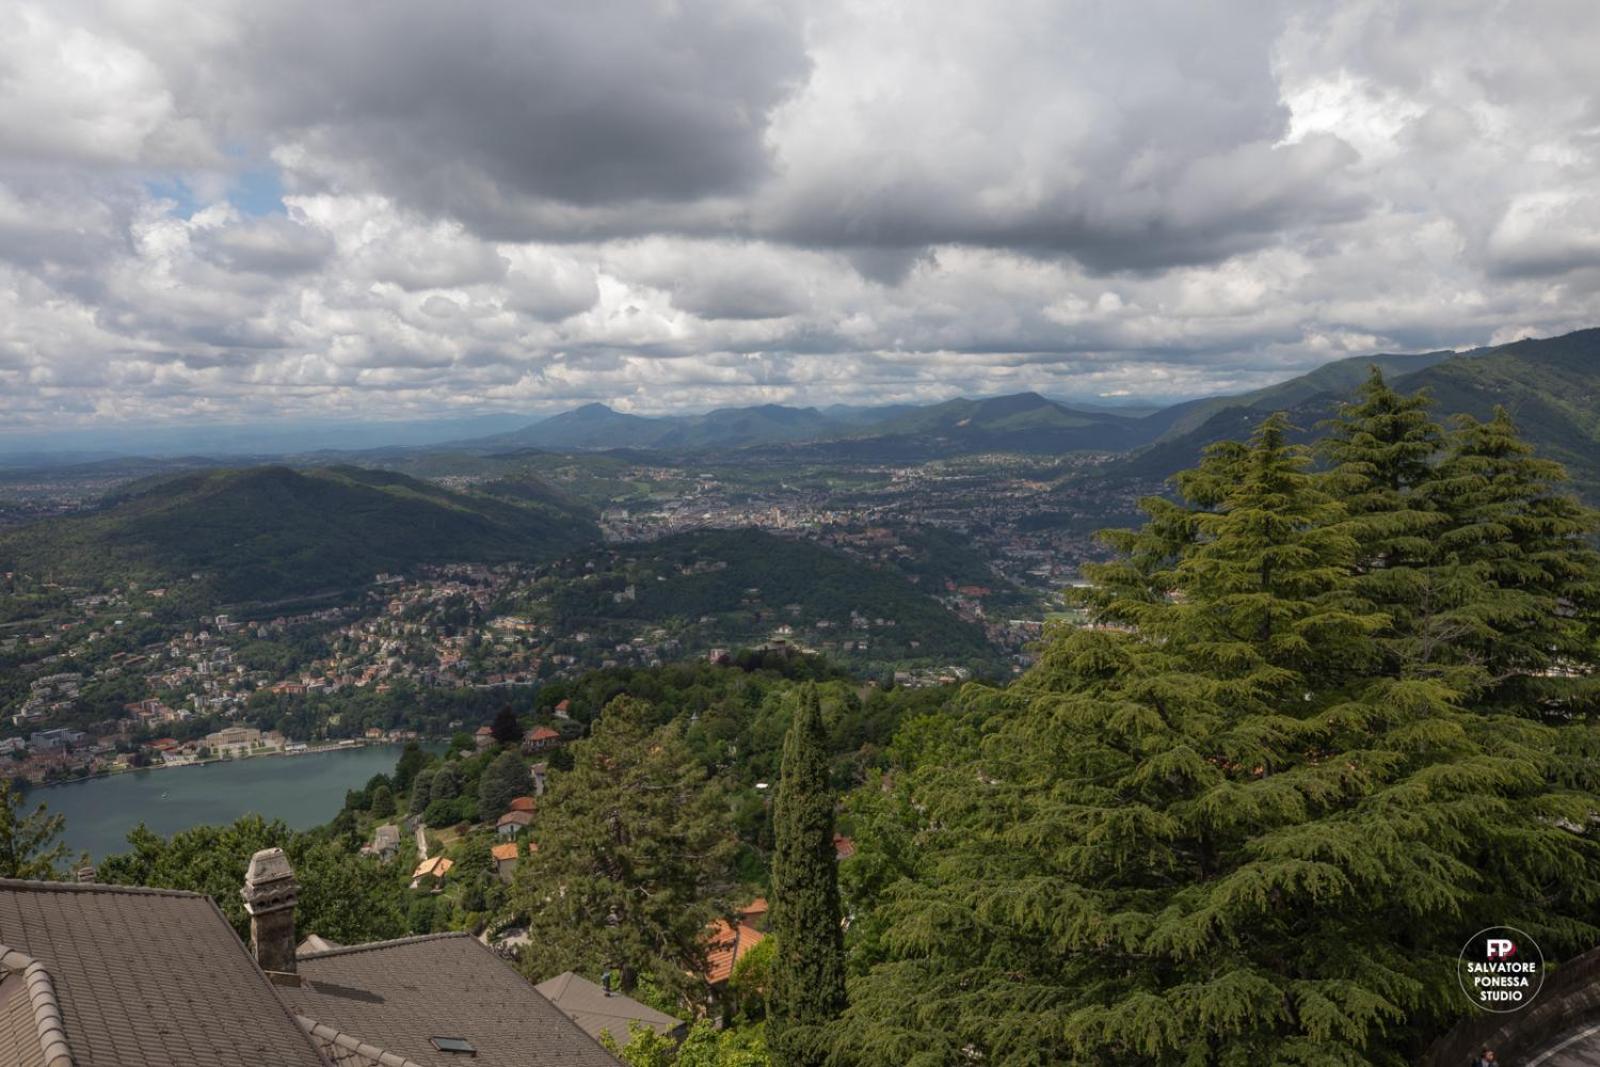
(382, 802)
(342, 897)
(421, 788)
(825, 584)
(1243, 825)
(446, 784)
(808, 990)
(703, 1046)
(751, 981)
(269, 532)
(634, 860)
(1516, 580)
(28, 845)
(448, 812)
(412, 760)
(503, 780)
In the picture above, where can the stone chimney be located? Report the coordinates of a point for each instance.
(270, 892)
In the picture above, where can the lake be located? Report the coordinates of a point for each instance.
(304, 791)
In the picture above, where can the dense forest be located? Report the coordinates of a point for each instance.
(1333, 711)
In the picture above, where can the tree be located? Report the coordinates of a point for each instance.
(421, 786)
(506, 729)
(1384, 448)
(808, 990)
(28, 845)
(703, 1046)
(382, 802)
(505, 778)
(446, 784)
(412, 760)
(1516, 577)
(635, 857)
(1225, 830)
(341, 897)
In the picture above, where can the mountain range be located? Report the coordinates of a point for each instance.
(1547, 382)
(1024, 422)
(1550, 386)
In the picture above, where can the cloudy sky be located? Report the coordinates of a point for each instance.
(402, 208)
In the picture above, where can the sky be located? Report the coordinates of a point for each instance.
(403, 209)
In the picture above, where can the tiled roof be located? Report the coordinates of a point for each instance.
(726, 946)
(393, 996)
(592, 1008)
(514, 818)
(437, 866)
(30, 1017)
(507, 851)
(521, 804)
(143, 978)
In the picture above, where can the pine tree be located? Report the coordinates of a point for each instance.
(808, 990)
(1384, 447)
(636, 846)
(1222, 831)
(1517, 582)
(28, 845)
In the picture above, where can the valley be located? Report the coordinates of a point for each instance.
(347, 595)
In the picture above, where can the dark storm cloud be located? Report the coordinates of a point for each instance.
(472, 108)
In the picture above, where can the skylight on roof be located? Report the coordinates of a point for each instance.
(453, 1044)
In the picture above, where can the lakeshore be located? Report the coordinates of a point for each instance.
(305, 791)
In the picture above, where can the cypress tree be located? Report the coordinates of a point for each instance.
(808, 988)
(1222, 830)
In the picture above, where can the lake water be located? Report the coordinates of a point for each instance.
(304, 791)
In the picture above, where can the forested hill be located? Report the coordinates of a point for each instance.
(267, 532)
(738, 585)
(1550, 386)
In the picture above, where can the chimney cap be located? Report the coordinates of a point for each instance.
(268, 865)
(269, 884)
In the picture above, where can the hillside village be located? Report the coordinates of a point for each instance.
(119, 680)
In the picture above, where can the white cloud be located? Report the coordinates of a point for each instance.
(698, 203)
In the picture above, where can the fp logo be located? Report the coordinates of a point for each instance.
(1498, 948)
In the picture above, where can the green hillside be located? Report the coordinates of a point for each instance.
(1550, 385)
(739, 585)
(1025, 423)
(269, 532)
(1337, 378)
